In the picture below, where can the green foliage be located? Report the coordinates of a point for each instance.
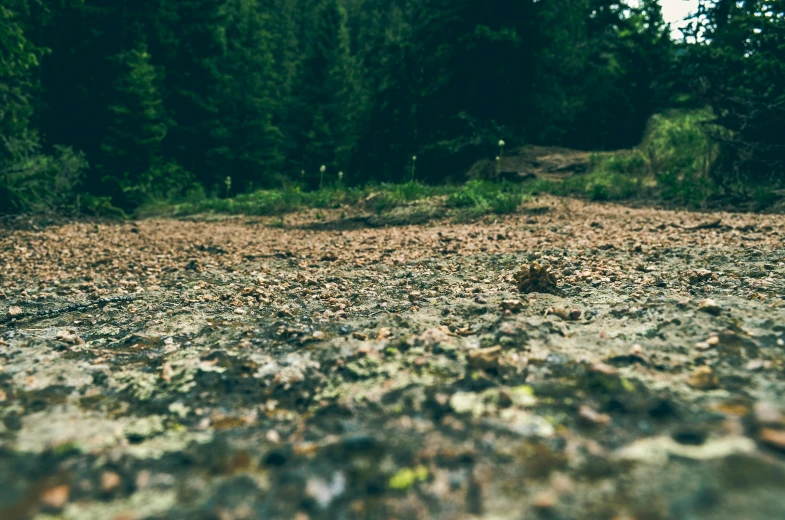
(484, 197)
(250, 142)
(35, 182)
(133, 144)
(165, 96)
(324, 104)
(737, 66)
(19, 59)
(680, 154)
(671, 164)
(193, 81)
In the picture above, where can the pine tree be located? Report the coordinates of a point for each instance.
(193, 84)
(388, 135)
(19, 60)
(327, 100)
(251, 143)
(132, 147)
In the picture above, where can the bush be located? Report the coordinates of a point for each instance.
(680, 153)
(487, 197)
(35, 183)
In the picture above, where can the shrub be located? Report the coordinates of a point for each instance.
(34, 182)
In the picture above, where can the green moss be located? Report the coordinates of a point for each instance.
(405, 478)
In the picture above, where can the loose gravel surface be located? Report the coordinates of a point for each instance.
(570, 361)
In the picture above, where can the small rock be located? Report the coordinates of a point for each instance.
(565, 314)
(710, 306)
(512, 305)
(774, 438)
(592, 416)
(485, 358)
(360, 335)
(68, 337)
(323, 492)
(464, 402)
(768, 414)
(319, 335)
(754, 365)
(703, 378)
(56, 497)
(15, 311)
(384, 333)
(636, 350)
(697, 276)
(545, 500)
(603, 368)
(109, 481)
(166, 372)
(144, 428)
(273, 436)
(415, 295)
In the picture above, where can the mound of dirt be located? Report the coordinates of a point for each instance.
(548, 162)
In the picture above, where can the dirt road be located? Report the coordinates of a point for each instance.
(236, 369)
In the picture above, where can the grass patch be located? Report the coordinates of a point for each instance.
(378, 198)
(487, 197)
(672, 165)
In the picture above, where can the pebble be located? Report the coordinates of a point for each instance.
(703, 378)
(15, 311)
(109, 481)
(772, 437)
(592, 416)
(485, 358)
(565, 314)
(512, 305)
(56, 497)
(69, 337)
(768, 414)
(545, 500)
(710, 306)
(603, 368)
(754, 365)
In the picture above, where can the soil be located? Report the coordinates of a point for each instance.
(234, 368)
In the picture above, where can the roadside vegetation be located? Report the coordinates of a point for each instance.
(672, 167)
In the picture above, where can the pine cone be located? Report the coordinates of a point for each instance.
(536, 277)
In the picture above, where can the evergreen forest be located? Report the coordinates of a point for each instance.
(112, 103)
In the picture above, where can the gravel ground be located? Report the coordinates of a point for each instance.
(571, 361)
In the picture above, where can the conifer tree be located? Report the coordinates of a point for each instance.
(251, 143)
(193, 88)
(18, 62)
(327, 97)
(132, 147)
